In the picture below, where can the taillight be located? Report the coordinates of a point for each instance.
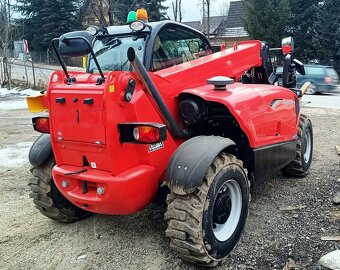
(145, 133)
(328, 80)
(41, 124)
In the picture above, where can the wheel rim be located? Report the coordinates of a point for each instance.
(227, 210)
(310, 90)
(307, 140)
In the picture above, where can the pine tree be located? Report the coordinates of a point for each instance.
(120, 9)
(326, 36)
(267, 19)
(301, 27)
(47, 19)
(155, 9)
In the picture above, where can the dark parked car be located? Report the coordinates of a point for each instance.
(322, 78)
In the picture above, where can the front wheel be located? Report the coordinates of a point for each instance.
(304, 149)
(206, 225)
(48, 199)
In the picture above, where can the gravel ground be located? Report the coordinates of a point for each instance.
(274, 233)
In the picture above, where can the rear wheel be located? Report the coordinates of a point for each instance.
(48, 199)
(304, 149)
(206, 225)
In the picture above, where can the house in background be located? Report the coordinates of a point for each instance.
(216, 26)
(234, 30)
(194, 24)
(224, 29)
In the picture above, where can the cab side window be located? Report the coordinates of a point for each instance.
(176, 45)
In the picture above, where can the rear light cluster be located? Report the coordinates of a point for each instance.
(328, 80)
(41, 124)
(145, 133)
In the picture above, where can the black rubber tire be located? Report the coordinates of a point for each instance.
(190, 217)
(299, 167)
(48, 199)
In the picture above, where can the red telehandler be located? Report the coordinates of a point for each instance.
(157, 108)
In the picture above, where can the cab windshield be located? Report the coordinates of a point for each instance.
(111, 52)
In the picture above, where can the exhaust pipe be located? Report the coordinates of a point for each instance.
(165, 114)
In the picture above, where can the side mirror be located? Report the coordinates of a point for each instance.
(74, 44)
(287, 45)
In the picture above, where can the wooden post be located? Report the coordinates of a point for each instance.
(25, 59)
(1, 72)
(34, 84)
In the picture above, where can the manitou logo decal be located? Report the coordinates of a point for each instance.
(279, 102)
(156, 146)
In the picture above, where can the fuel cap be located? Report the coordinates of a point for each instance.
(220, 82)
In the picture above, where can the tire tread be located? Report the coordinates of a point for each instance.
(295, 167)
(40, 185)
(185, 231)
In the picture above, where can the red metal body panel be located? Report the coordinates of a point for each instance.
(126, 171)
(125, 193)
(265, 113)
(86, 135)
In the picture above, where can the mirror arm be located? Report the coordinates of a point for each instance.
(91, 51)
(59, 57)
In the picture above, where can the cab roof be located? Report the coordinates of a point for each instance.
(155, 27)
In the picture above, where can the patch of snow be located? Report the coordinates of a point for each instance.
(14, 99)
(4, 92)
(13, 105)
(15, 155)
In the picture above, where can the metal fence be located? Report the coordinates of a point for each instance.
(32, 70)
(47, 57)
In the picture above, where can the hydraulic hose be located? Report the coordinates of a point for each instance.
(157, 99)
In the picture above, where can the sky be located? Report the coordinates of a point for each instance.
(192, 9)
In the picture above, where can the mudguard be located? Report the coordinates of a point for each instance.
(40, 150)
(190, 162)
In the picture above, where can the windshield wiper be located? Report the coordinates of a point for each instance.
(113, 43)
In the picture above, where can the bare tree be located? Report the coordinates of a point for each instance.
(180, 10)
(99, 10)
(177, 10)
(208, 2)
(103, 7)
(6, 39)
(206, 11)
(224, 8)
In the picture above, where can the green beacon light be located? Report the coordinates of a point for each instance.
(132, 16)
